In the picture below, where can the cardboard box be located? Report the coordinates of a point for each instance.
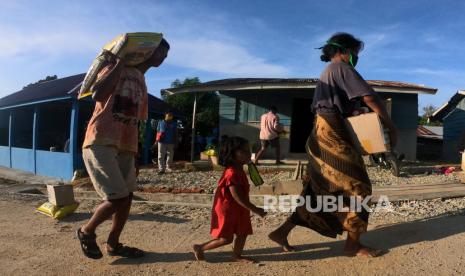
(368, 133)
(60, 195)
(212, 158)
(203, 156)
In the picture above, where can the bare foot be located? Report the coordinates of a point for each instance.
(282, 241)
(361, 251)
(244, 259)
(198, 253)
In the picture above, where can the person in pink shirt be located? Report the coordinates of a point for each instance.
(270, 128)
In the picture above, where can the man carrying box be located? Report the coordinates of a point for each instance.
(110, 146)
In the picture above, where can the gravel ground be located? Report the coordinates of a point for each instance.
(33, 244)
(420, 237)
(381, 177)
(207, 181)
(396, 213)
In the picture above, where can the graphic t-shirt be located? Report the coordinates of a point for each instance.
(115, 120)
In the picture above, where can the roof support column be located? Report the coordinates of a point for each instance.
(73, 135)
(146, 147)
(193, 127)
(10, 135)
(35, 128)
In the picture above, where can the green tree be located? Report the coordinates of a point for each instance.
(207, 105)
(428, 111)
(48, 78)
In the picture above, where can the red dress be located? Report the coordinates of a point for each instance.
(228, 217)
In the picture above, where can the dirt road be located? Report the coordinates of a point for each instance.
(33, 244)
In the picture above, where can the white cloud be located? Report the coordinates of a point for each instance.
(439, 73)
(73, 41)
(221, 57)
(204, 45)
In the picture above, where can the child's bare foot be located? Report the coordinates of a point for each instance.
(282, 241)
(244, 259)
(359, 250)
(198, 252)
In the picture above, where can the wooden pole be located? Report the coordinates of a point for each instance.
(193, 127)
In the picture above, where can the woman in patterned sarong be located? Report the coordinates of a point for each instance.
(335, 167)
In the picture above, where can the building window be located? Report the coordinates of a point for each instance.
(53, 126)
(251, 112)
(22, 127)
(4, 127)
(86, 108)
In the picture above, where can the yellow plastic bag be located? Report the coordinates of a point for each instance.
(57, 212)
(135, 48)
(210, 152)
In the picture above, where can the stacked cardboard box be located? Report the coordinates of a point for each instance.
(368, 133)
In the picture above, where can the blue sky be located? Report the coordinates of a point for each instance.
(413, 41)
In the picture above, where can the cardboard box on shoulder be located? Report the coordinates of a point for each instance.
(60, 195)
(368, 133)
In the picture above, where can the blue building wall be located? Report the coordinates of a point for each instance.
(4, 156)
(41, 162)
(32, 158)
(454, 127)
(240, 113)
(23, 159)
(454, 124)
(55, 164)
(404, 112)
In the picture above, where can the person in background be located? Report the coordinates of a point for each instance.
(270, 128)
(167, 132)
(200, 143)
(110, 146)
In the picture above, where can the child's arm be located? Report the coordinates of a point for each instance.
(244, 201)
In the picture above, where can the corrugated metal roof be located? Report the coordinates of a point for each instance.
(43, 91)
(276, 83)
(437, 130)
(430, 132)
(446, 108)
(69, 87)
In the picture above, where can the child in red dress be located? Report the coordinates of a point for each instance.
(231, 206)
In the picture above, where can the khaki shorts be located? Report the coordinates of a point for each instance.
(112, 172)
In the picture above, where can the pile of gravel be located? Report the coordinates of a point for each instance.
(380, 177)
(419, 209)
(203, 180)
(206, 181)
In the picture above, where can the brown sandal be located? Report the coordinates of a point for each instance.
(89, 245)
(125, 251)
